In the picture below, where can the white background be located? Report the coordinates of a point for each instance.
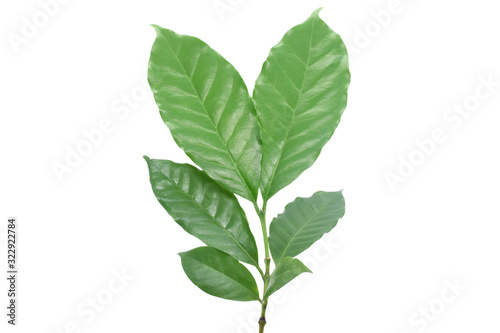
(389, 258)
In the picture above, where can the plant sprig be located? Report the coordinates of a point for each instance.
(244, 145)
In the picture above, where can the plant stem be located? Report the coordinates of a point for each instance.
(267, 261)
(262, 320)
(262, 216)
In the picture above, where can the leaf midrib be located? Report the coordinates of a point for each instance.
(209, 117)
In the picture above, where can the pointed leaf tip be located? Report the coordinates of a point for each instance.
(156, 27)
(316, 12)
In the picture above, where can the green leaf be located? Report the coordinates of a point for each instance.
(220, 275)
(300, 96)
(203, 208)
(206, 105)
(304, 221)
(286, 271)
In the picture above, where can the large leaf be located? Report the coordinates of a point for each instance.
(220, 275)
(300, 95)
(303, 222)
(203, 208)
(206, 105)
(286, 271)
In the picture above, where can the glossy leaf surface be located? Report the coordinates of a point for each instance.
(304, 221)
(203, 208)
(286, 271)
(206, 105)
(220, 275)
(300, 96)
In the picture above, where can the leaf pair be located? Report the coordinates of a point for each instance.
(299, 98)
(243, 145)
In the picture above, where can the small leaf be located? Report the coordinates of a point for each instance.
(300, 96)
(206, 105)
(203, 208)
(220, 275)
(303, 222)
(286, 271)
